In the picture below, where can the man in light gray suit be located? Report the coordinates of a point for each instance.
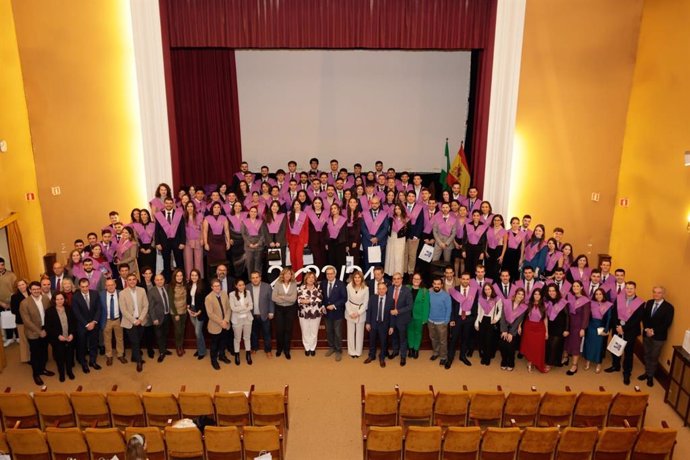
(261, 294)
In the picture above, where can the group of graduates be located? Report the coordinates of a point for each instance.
(517, 290)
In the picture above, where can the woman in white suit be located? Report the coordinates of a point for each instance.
(241, 306)
(356, 313)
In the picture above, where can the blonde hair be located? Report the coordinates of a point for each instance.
(285, 271)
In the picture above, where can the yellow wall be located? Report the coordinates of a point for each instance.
(650, 237)
(577, 67)
(79, 74)
(17, 169)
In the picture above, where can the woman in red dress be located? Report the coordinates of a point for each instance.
(297, 235)
(534, 335)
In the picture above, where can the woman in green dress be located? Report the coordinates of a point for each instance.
(420, 315)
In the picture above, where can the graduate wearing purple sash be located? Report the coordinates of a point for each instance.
(254, 242)
(274, 235)
(216, 236)
(297, 235)
(170, 237)
(579, 310)
(534, 254)
(236, 253)
(317, 217)
(626, 318)
(533, 337)
(488, 322)
(127, 251)
(337, 237)
(375, 229)
(597, 332)
(464, 299)
(511, 323)
(559, 280)
(513, 255)
(553, 259)
(557, 313)
(428, 213)
(581, 271)
(145, 231)
(353, 231)
(194, 242)
(396, 244)
(444, 234)
(157, 203)
(414, 213)
(474, 244)
(496, 244)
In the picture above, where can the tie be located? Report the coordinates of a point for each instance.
(558, 283)
(505, 291)
(112, 306)
(328, 293)
(591, 291)
(445, 218)
(529, 286)
(58, 284)
(379, 315)
(222, 312)
(340, 196)
(86, 297)
(169, 217)
(395, 296)
(655, 308)
(604, 279)
(464, 292)
(481, 284)
(165, 301)
(374, 213)
(409, 208)
(619, 289)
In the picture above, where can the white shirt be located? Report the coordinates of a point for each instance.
(108, 297)
(255, 296)
(41, 310)
(192, 293)
(133, 293)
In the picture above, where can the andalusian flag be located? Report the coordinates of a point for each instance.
(459, 172)
(444, 172)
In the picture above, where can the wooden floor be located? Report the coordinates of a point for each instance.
(324, 394)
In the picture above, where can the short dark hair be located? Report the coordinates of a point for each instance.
(311, 160)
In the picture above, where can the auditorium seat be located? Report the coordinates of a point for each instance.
(28, 444)
(90, 408)
(232, 408)
(270, 408)
(184, 443)
(222, 443)
(655, 443)
(486, 408)
(194, 405)
(416, 407)
(423, 442)
(4, 446)
(383, 443)
(54, 409)
(628, 407)
(258, 439)
(576, 443)
(67, 443)
(556, 408)
(500, 443)
(379, 408)
(105, 443)
(126, 408)
(461, 443)
(538, 443)
(592, 408)
(451, 408)
(615, 443)
(155, 446)
(17, 407)
(160, 408)
(521, 409)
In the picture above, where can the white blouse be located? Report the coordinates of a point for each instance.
(357, 300)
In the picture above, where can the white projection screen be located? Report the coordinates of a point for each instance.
(357, 106)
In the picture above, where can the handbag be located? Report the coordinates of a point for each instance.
(307, 256)
(8, 320)
(617, 345)
(273, 254)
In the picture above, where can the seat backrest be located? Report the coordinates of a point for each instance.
(556, 409)
(196, 405)
(577, 443)
(416, 407)
(105, 442)
(451, 408)
(183, 442)
(521, 407)
(232, 408)
(538, 443)
(4, 446)
(268, 408)
(654, 444)
(155, 447)
(160, 407)
(630, 407)
(18, 407)
(67, 443)
(28, 443)
(486, 407)
(126, 409)
(497, 441)
(591, 409)
(381, 408)
(90, 408)
(384, 442)
(423, 440)
(54, 409)
(259, 439)
(462, 441)
(222, 443)
(615, 442)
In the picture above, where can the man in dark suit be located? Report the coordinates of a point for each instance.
(656, 319)
(402, 310)
(87, 308)
(170, 236)
(57, 277)
(160, 303)
(379, 277)
(626, 318)
(121, 280)
(380, 323)
(261, 294)
(334, 298)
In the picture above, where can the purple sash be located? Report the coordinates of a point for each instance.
(576, 303)
(123, 247)
(498, 289)
(552, 310)
(397, 224)
(364, 203)
(446, 227)
(236, 222)
(511, 314)
(296, 229)
(252, 228)
(274, 227)
(334, 227)
(464, 301)
(575, 273)
(193, 229)
(531, 250)
(414, 214)
(474, 235)
(227, 208)
(535, 314)
(487, 304)
(317, 222)
(514, 241)
(429, 221)
(552, 259)
(460, 227)
(625, 311)
(157, 203)
(95, 278)
(216, 224)
(239, 175)
(600, 309)
(144, 233)
(169, 229)
(373, 225)
(492, 239)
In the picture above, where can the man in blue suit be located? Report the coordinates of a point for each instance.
(375, 230)
(334, 298)
(86, 305)
(402, 311)
(380, 324)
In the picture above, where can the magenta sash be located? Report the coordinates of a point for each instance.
(239, 175)
(252, 227)
(498, 289)
(514, 241)
(144, 232)
(535, 314)
(464, 301)
(397, 224)
(552, 310)
(216, 224)
(317, 222)
(193, 229)
(236, 222)
(95, 278)
(446, 227)
(576, 303)
(474, 234)
(414, 214)
(274, 226)
(123, 247)
(625, 311)
(492, 238)
(296, 229)
(169, 229)
(600, 309)
(334, 227)
(157, 203)
(227, 208)
(364, 203)
(531, 250)
(511, 313)
(374, 225)
(487, 304)
(575, 272)
(460, 227)
(552, 259)
(429, 221)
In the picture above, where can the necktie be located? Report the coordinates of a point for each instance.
(558, 284)
(395, 296)
(58, 284)
(379, 315)
(409, 208)
(481, 284)
(375, 213)
(655, 308)
(505, 291)
(445, 218)
(165, 301)
(591, 290)
(222, 312)
(328, 293)
(604, 278)
(619, 289)
(112, 306)
(169, 217)
(464, 292)
(86, 297)
(529, 286)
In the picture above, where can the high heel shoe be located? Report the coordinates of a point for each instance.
(571, 371)
(587, 366)
(597, 370)
(249, 358)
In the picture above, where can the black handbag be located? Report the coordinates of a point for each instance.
(273, 254)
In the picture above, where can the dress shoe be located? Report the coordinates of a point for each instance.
(179, 352)
(329, 352)
(161, 358)
(571, 371)
(224, 359)
(122, 359)
(95, 365)
(168, 352)
(465, 361)
(85, 369)
(249, 358)
(215, 365)
(313, 352)
(37, 380)
(140, 366)
(626, 380)
(150, 352)
(48, 373)
(448, 364)
(368, 360)
(382, 363)
(642, 377)
(70, 375)
(61, 378)
(433, 358)
(442, 362)
(338, 356)
(403, 361)
(109, 361)
(237, 357)
(650, 382)
(393, 355)
(278, 353)
(287, 355)
(101, 351)
(608, 370)
(196, 353)
(307, 353)
(200, 357)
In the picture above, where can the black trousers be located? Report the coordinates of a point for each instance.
(507, 352)
(63, 354)
(134, 335)
(378, 332)
(162, 334)
(334, 333)
(628, 353)
(461, 334)
(39, 355)
(283, 320)
(219, 342)
(400, 339)
(488, 335)
(170, 248)
(87, 344)
(148, 335)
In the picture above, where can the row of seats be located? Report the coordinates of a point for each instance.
(494, 408)
(470, 443)
(226, 443)
(120, 409)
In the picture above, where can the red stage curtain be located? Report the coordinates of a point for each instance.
(206, 115)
